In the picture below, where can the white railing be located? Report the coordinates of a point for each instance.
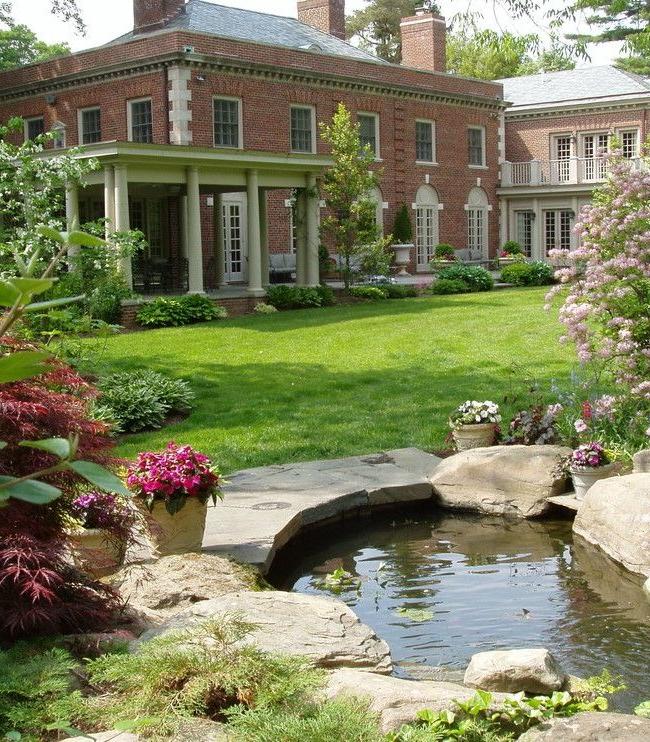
(572, 171)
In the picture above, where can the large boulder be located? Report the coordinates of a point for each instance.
(641, 462)
(325, 631)
(175, 582)
(531, 670)
(397, 701)
(591, 727)
(503, 480)
(615, 516)
(646, 587)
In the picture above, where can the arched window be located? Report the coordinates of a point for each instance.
(477, 224)
(426, 225)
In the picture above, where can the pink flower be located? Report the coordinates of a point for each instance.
(580, 426)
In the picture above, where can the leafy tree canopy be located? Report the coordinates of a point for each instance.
(20, 46)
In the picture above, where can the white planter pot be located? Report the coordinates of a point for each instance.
(583, 479)
(182, 532)
(96, 553)
(467, 437)
(403, 257)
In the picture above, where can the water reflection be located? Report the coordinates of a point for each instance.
(440, 588)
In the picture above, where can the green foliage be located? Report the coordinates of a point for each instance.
(403, 227)
(34, 682)
(369, 293)
(399, 291)
(487, 54)
(477, 278)
(537, 273)
(444, 251)
(339, 581)
(605, 683)
(376, 258)
(643, 710)
(141, 400)
(20, 46)
(299, 297)
(446, 286)
(512, 248)
(179, 311)
(263, 308)
(418, 615)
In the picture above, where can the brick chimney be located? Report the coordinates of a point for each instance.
(149, 15)
(424, 41)
(325, 15)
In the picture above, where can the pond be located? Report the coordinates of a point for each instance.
(439, 588)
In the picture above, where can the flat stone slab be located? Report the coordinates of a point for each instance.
(570, 502)
(265, 508)
(591, 727)
(322, 630)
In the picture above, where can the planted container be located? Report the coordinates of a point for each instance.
(583, 478)
(467, 437)
(97, 552)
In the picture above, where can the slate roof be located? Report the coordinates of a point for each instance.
(261, 28)
(573, 86)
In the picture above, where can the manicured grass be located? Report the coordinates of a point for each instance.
(323, 383)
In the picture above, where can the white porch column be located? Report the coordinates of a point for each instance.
(254, 236)
(264, 238)
(312, 207)
(183, 221)
(194, 237)
(219, 244)
(301, 238)
(72, 219)
(122, 220)
(109, 200)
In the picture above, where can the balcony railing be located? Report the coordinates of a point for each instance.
(572, 171)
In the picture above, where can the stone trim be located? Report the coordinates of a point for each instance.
(180, 97)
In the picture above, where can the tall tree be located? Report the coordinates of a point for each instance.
(377, 25)
(487, 54)
(20, 46)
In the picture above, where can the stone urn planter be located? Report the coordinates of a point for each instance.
(467, 437)
(97, 552)
(403, 257)
(583, 478)
(181, 532)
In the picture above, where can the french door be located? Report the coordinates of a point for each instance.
(562, 155)
(235, 238)
(593, 145)
(426, 234)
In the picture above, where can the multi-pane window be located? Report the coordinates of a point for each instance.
(424, 141)
(146, 215)
(90, 126)
(141, 121)
(59, 135)
(476, 231)
(630, 144)
(426, 233)
(302, 129)
(558, 225)
(593, 148)
(524, 229)
(34, 127)
(476, 145)
(369, 131)
(227, 122)
(562, 154)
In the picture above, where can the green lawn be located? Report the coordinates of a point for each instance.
(323, 383)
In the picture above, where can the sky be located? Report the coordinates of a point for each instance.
(107, 19)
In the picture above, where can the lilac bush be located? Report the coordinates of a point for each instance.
(606, 312)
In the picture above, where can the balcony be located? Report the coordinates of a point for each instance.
(568, 172)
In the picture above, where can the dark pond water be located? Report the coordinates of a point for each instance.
(482, 583)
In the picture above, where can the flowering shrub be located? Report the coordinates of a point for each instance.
(589, 456)
(444, 251)
(511, 248)
(606, 312)
(475, 413)
(174, 475)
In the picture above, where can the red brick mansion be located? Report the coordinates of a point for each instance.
(205, 120)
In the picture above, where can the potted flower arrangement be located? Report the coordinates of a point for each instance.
(444, 255)
(511, 252)
(105, 526)
(587, 464)
(475, 424)
(403, 239)
(175, 486)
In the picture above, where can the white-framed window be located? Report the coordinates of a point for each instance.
(90, 125)
(593, 148)
(561, 154)
(59, 135)
(228, 127)
(558, 229)
(140, 120)
(425, 141)
(629, 140)
(34, 127)
(524, 221)
(477, 224)
(426, 225)
(146, 214)
(369, 132)
(303, 129)
(476, 146)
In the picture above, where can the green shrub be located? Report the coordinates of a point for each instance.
(201, 309)
(478, 279)
(105, 300)
(512, 248)
(295, 297)
(369, 293)
(262, 308)
(141, 400)
(399, 291)
(327, 295)
(537, 273)
(445, 251)
(403, 228)
(177, 311)
(445, 286)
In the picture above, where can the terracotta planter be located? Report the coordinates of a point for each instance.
(467, 437)
(96, 553)
(181, 532)
(584, 478)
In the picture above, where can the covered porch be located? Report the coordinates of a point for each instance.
(203, 213)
